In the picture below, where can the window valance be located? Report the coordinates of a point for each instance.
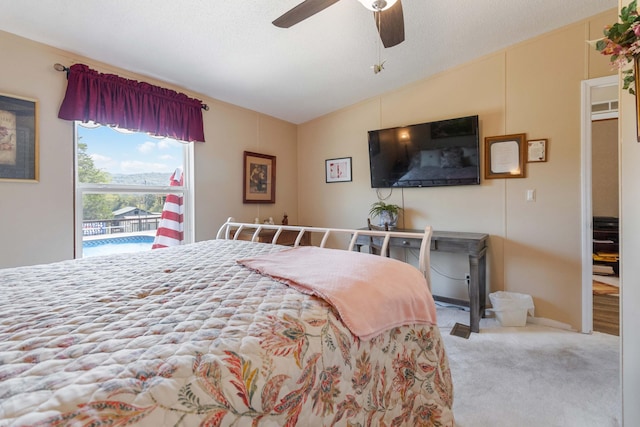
(115, 101)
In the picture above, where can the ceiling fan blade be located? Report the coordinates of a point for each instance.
(302, 11)
(391, 25)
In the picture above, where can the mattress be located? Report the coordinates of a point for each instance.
(187, 336)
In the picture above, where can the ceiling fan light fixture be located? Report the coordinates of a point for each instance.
(377, 5)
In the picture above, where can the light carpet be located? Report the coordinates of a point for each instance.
(532, 376)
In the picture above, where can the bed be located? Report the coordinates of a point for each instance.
(199, 334)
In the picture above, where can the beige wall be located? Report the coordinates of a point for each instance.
(229, 131)
(604, 149)
(532, 88)
(37, 219)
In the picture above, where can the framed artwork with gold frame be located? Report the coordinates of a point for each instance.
(504, 156)
(259, 178)
(18, 139)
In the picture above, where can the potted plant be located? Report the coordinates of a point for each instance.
(620, 42)
(387, 213)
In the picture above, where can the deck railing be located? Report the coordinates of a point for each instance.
(121, 225)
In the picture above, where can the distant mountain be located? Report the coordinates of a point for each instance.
(151, 178)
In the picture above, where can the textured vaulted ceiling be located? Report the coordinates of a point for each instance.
(229, 50)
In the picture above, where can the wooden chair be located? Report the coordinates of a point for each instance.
(373, 247)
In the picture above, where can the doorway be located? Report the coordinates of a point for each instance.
(599, 105)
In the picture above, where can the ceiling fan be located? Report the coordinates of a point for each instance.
(387, 15)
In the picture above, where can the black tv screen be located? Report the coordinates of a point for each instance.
(433, 154)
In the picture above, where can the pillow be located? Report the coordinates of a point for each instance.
(451, 157)
(415, 160)
(430, 158)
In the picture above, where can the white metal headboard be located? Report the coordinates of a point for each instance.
(231, 230)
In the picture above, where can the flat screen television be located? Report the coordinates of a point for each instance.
(432, 154)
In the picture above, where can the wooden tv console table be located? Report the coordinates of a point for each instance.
(473, 244)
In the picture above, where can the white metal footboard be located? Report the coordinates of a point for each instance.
(232, 230)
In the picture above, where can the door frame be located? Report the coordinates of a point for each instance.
(586, 196)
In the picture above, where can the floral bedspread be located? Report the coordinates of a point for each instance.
(186, 336)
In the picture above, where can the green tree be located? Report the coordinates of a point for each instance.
(87, 171)
(94, 206)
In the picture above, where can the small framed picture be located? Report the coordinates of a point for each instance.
(18, 139)
(338, 170)
(537, 150)
(259, 178)
(504, 156)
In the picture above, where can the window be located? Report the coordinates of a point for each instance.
(123, 179)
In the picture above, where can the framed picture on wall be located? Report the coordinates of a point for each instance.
(259, 178)
(537, 150)
(338, 170)
(18, 138)
(504, 156)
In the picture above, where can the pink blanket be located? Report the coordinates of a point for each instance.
(371, 293)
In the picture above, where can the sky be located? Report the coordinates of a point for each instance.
(126, 153)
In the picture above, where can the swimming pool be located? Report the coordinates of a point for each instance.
(116, 245)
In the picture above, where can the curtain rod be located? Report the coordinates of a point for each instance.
(59, 67)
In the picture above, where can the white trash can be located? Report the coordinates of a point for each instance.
(511, 308)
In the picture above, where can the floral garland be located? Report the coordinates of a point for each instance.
(622, 41)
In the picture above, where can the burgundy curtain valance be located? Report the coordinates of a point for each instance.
(115, 101)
